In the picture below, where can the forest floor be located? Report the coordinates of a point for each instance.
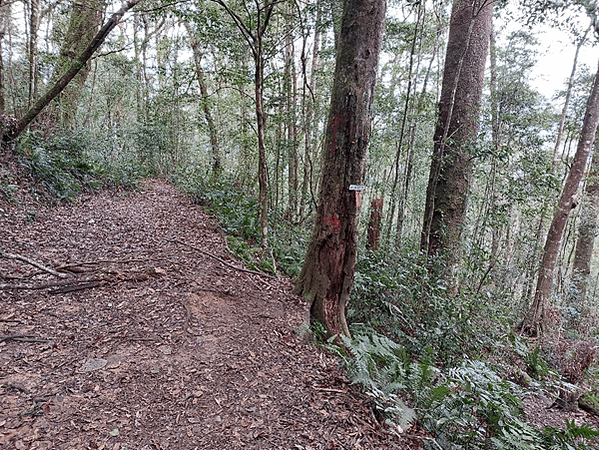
(149, 335)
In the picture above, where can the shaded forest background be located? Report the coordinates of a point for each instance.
(229, 100)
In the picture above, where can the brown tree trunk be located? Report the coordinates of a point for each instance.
(404, 120)
(309, 100)
(457, 128)
(290, 88)
(558, 141)
(84, 22)
(216, 153)
(261, 129)
(4, 23)
(255, 39)
(328, 271)
(374, 224)
(587, 230)
(534, 321)
(77, 65)
(409, 164)
(34, 21)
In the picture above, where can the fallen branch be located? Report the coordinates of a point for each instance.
(22, 338)
(222, 261)
(49, 285)
(33, 263)
(71, 284)
(98, 261)
(337, 391)
(17, 387)
(76, 287)
(9, 318)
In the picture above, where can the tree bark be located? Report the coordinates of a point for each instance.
(587, 231)
(400, 144)
(34, 21)
(290, 88)
(84, 22)
(409, 164)
(457, 128)
(558, 141)
(4, 23)
(309, 102)
(76, 66)
(328, 271)
(374, 224)
(534, 320)
(253, 32)
(217, 164)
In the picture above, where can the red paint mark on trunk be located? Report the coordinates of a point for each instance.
(334, 221)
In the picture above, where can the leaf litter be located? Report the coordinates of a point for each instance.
(148, 343)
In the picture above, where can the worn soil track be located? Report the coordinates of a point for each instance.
(152, 337)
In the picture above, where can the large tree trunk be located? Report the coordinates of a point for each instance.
(534, 321)
(457, 128)
(84, 22)
(328, 271)
(76, 66)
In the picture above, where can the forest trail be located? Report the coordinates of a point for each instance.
(152, 339)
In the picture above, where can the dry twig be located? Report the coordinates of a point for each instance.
(33, 263)
(222, 261)
(22, 338)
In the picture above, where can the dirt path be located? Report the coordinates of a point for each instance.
(148, 343)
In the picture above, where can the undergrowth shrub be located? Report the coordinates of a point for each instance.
(62, 166)
(398, 297)
(237, 211)
(58, 169)
(416, 348)
(468, 406)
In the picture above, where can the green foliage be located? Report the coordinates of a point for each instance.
(237, 211)
(468, 406)
(58, 169)
(8, 190)
(62, 166)
(537, 367)
(574, 437)
(398, 296)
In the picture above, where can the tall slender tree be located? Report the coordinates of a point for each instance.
(78, 63)
(587, 230)
(457, 128)
(32, 56)
(534, 321)
(4, 23)
(328, 271)
(217, 163)
(253, 27)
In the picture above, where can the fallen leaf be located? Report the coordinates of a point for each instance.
(93, 364)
